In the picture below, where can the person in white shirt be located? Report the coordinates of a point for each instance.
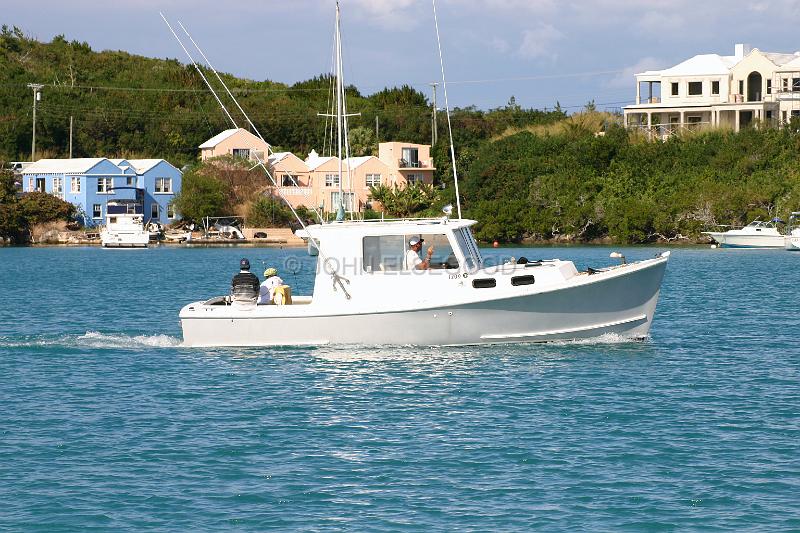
(266, 293)
(413, 260)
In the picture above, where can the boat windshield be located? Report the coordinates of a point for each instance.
(760, 224)
(469, 247)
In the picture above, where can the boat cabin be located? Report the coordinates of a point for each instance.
(372, 257)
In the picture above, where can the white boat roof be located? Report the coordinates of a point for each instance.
(389, 227)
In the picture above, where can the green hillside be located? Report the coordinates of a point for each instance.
(128, 105)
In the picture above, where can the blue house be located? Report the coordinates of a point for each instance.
(160, 182)
(88, 183)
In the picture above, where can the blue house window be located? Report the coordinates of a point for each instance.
(164, 185)
(129, 181)
(97, 211)
(104, 185)
(154, 211)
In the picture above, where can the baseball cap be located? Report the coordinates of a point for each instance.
(415, 240)
(244, 264)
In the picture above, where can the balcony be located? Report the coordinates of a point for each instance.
(402, 163)
(294, 191)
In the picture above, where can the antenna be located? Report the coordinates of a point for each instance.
(447, 109)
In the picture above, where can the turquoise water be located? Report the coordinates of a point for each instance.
(107, 423)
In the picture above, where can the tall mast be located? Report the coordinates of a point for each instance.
(339, 112)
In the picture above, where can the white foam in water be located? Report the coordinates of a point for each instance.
(101, 340)
(94, 339)
(605, 338)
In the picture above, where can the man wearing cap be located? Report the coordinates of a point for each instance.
(244, 285)
(413, 260)
(271, 282)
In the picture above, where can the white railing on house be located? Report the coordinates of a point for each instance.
(295, 191)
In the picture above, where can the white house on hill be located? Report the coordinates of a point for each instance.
(746, 88)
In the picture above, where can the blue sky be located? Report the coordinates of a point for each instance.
(540, 51)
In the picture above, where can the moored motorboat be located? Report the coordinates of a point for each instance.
(124, 226)
(757, 234)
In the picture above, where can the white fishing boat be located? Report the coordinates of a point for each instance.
(368, 289)
(124, 227)
(757, 234)
(365, 294)
(792, 238)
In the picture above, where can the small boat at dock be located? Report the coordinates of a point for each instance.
(124, 227)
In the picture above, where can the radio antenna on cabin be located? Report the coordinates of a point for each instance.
(447, 109)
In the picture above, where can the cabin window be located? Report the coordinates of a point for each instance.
(75, 184)
(373, 180)
(104, 185)
(674, 86)
(695, 88)
(714, 87)
(154, 210)
(384, 253)
(331, 180)
(164, 185)
(58, 185)
(388, 253)
(443, 255)
(97, 211)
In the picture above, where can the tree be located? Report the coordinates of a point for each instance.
(201, 196)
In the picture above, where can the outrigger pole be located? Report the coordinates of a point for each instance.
(447, 109)
(230, 118)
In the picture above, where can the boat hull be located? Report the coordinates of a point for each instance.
(622, 304)
(726, 240)
(125, 240)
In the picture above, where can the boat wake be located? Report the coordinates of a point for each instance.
(605, 338)
(92, 339)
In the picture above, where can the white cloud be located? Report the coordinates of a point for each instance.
(537, 43)
(398, 15)
(626, 78)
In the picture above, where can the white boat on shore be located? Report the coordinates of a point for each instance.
(124, 226)
(364, 294)
(757, 234)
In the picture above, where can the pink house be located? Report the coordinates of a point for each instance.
(235, 142)
(314, 183)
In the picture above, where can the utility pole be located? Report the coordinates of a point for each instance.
(37, 95)
(70, 136)
(434, 124)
